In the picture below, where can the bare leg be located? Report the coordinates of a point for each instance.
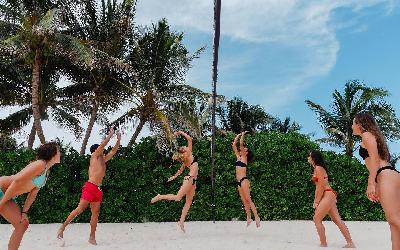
(185, 188)
(389, 196)
(95, 208)
(185, 209)
(246, 205)
(328, 200)
(77, 211)
(335, 217)
(246, 193)
(12, 213)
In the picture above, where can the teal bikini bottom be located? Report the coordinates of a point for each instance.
(2, 194)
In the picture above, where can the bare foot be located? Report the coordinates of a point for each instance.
(60, 233)
(92, 241)
(249, 221)
(258, 222)
(349, 245)
(323, 245)
(180, 224)
(155, 198)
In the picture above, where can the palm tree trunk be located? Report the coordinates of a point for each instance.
(349, 147)
(32, 136)
(35, 95)
(137, 132)
(92, 120)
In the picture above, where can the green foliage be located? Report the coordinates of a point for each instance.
(7, 143)
(238, 116)
(280, 182)
(356, 98)
(158, 94)
(284, 126)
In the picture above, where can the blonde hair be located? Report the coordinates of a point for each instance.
(178, 156)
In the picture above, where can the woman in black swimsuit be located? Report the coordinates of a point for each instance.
(188, 187)
(383, 179)
(243, 156)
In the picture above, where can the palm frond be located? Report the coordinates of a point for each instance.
(16, 121)
(327, 119)
(49, 23)
(67, 121)
(74, 49)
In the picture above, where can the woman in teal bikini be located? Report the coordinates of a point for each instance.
(29, 180)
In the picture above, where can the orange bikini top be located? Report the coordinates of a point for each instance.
(314, 178)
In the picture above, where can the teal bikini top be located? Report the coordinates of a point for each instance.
(40, 181)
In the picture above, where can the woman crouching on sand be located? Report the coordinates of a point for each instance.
(188, 187)
(29, 180)
(325, 201)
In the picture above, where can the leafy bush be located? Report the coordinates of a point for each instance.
(280, 182)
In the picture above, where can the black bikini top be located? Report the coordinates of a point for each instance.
(363, 153)
(240, 164)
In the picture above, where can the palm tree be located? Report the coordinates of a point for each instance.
(356, 98)
(284, 126)
(158, 94)
(107, 30)
(238, 116)
(31, 31)
(51, 105)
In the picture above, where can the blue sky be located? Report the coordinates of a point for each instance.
(278, 53)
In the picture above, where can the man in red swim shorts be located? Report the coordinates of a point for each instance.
(91, 191)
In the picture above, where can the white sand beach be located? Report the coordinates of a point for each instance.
(273, 235)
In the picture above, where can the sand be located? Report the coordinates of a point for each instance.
(273, 235)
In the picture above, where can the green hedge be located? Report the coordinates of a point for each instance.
(280, 183)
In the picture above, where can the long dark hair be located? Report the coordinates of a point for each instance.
(47, 151)
(317, 158)
(368, 124)
(250, 156)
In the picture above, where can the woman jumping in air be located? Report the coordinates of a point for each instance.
(188, 188)
(244, 156)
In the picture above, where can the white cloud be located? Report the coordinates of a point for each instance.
(300, 29)
(303, 26)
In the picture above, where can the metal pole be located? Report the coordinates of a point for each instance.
(217, 15)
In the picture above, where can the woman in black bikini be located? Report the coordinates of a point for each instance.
(188, 187)
(325, 201)
(243, 156)
(383, 179)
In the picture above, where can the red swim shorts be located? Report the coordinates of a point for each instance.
(91, 192)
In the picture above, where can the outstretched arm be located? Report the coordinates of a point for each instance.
(100, 149)
(179, 172)
(115, 148)
(234, 147)
(187, 137)
(242, 140)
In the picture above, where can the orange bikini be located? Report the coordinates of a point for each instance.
(314, 178)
